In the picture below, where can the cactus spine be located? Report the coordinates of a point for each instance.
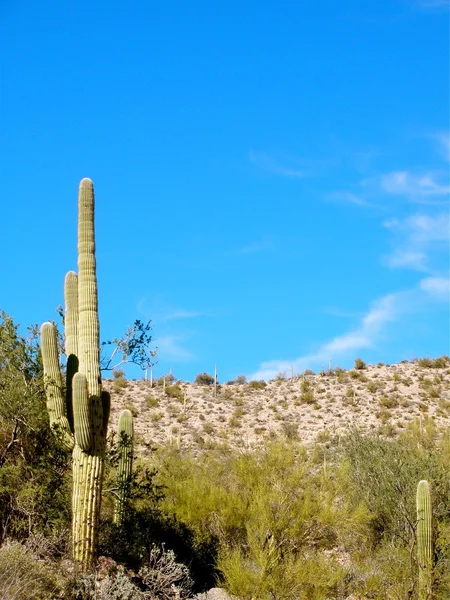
(424, 541)
(125, 430)
(83, 414)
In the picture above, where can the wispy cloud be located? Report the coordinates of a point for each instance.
(416, 237)
(364, 336)
(268, 163)
(172, 348)
(406, 259)
(372, 328)
(422, 187)
(350, 198)
(437, 287)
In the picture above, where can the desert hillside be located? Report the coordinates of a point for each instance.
(308, 407)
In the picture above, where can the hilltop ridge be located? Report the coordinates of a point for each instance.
(309, 407)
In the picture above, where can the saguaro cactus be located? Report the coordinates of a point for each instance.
(424, 541)
(82, 414)
(125, 431)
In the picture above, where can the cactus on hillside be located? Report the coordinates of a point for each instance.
(424, 541)
(125, 431)
(82, 413)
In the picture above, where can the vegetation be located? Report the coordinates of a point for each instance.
(204, 379)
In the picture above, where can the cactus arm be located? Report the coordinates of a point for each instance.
(424, 540)
(82, 413)
(124, 470)
(71, 337)
(56, 403)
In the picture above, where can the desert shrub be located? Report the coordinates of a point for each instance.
(359, 364)
(208, 428)
(389, 401)
(119, 380)
(290, 430)
(204, 379)
(152, 402)
(374, 386)
(131, 407)
(273, 515)
(23, 576)
(164, 577)
(240, 380)
(257, 384)
(34, 467)
(307, 397)
(174, 391)
(441, 362)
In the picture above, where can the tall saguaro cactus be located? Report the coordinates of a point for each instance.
(125, 431)
(424, 541)
(82, 414)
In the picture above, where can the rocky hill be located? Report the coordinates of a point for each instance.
(308, 407)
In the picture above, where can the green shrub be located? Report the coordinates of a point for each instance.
(23, 576)
(273, 514)
(204, 379)
(442, 362)
(240, 380)
(119, 381)
(152, 402)
(174, 391)
(359, 364)
(257, 384)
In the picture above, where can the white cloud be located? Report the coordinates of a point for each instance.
(170, 348)
(438, 287)
(364, 336)
(350, 198)
(371, 329)
(426, 228)
(418, 238)
(407, 259)
(263, 160)
(417, 187)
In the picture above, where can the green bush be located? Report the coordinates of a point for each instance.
(152, 402)
(23, 576)
(119, 381)
(273, 514)
(359, 364)
(174, 391)
(240, 380)
(442, 362)
(257, 384)
(204, 379)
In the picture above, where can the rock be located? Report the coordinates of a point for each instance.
(215, 594)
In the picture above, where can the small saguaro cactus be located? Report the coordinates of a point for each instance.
(81, 414)
(424, 541)
(124, 469)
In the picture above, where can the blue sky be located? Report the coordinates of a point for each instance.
(271, 178)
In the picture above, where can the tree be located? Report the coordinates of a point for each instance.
(34, 487)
